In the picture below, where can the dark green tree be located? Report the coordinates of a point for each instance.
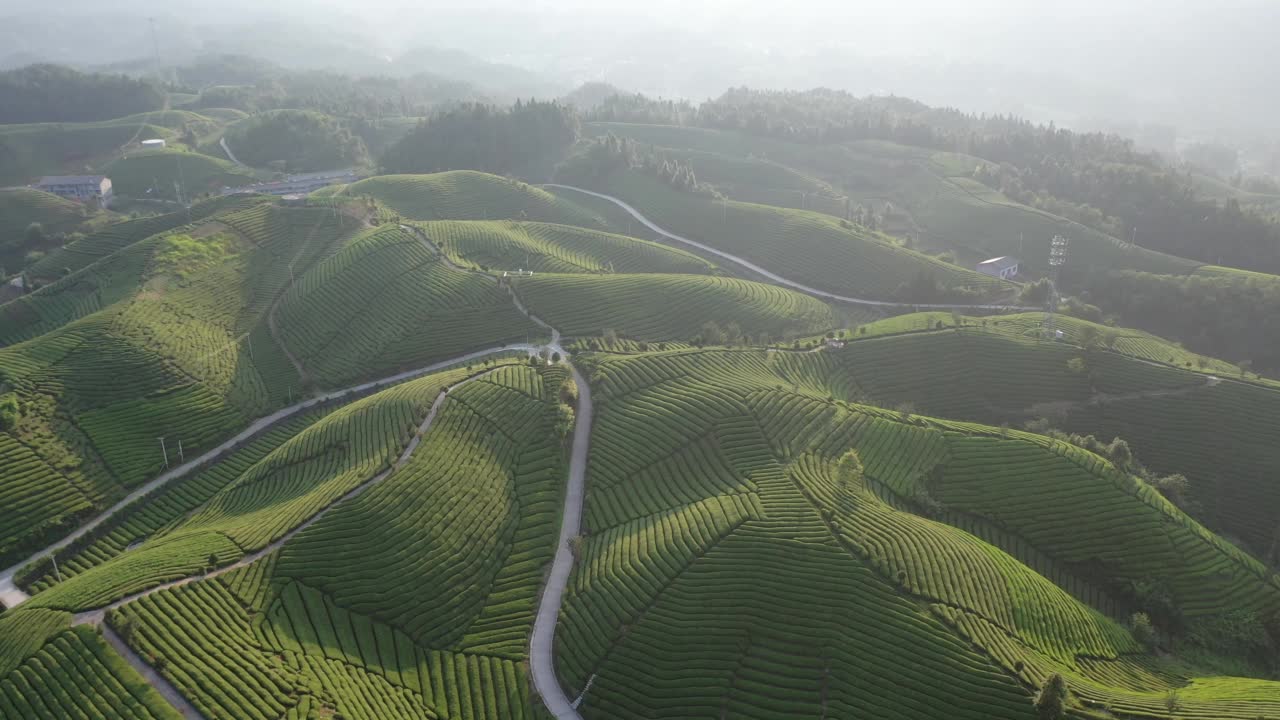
(1051, 701)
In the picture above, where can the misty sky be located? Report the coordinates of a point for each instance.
(1204, 67)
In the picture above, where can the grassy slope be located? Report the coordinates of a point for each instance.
(387, 301)
(642, 306)
(807, 247)
(173, 355)
(20, 207)
(713, 471)
(952, 211)
(477, 503)
(993, 370)
(469, 195)
(546, 247)
(56, 148)
(107, 240)
(157, 171)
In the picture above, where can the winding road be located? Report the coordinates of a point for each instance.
(542, 660)
(12, 596)
(542, 641)
(778, 278)
(542, 638)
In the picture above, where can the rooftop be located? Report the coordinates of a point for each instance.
(71, 179)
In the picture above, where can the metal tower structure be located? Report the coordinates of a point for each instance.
(1057, 258)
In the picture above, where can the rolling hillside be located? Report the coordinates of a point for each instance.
(545, 247)
(807, 247)
(482, 485)
(453, 446)
(933, 191)
(388, 302)
(1173, 407)
(154, 174)
(467, 195)
(779, 509)
(172, 322)
(633, 306)
(67, 148)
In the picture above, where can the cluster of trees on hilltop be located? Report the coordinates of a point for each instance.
(296, 141)
(637, 108)
(526, 139)
(1235, 318)
(603, 155)
(1098, 179)
(54, 93)
(334, 94)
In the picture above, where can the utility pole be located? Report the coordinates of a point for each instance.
(165, 453)
(54, 557)
(1057, 258)
(181, 457)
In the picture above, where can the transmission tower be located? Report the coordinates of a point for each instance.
(1057, 258)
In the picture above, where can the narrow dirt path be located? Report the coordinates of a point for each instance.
(150, 675)
(778, 278)
(273, 327)
(542, 641)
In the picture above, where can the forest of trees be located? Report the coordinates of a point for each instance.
(296, 141)
(526, 139)
(1235, 318)
(1098, 179)
(603, 155)
(270, 88)
(54, 93)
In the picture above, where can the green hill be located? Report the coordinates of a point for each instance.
(387, 301)
(1179, 411)
(468, 195)
(39, 149)
(180, 348)
(545, 247)
(637, 306)
(812, 543)
(930, 193)
(19, 207)
(807, 247)
(154, 174)
(489, 463)
(100, 244)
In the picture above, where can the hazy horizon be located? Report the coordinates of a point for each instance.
(1205, 71)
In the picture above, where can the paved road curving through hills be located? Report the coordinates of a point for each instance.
(11, 595)
(778, 278)
(542, 641)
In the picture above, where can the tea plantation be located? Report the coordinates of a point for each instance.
(456, 446)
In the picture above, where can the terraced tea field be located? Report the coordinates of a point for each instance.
(806, 247)
(467, 195)
(634, 306)
(948, 209)
(544, 247)
(653, 607)
(404, 481)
